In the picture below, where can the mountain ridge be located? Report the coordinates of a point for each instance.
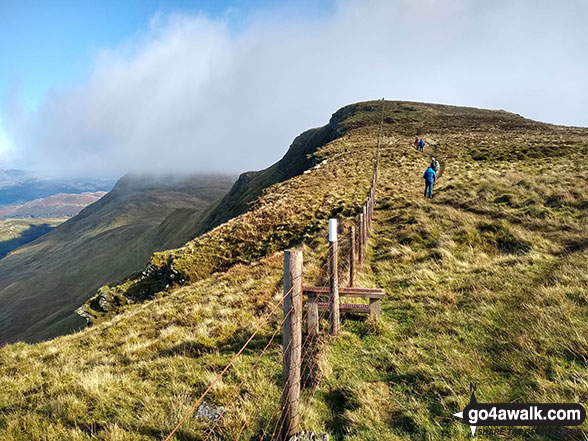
(486, 283)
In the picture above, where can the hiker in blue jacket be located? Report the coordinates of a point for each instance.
(422, 145)
(430, 177)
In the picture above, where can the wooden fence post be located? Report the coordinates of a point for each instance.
(312, 321)
(351, 255)
(291, 342)
(333, 279)
(360, 237)
(367, 218)
(370, 209)
(365, 227)
(372, 203)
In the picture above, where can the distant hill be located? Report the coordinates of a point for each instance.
(20, 186)
(42, 283)
(61, 205)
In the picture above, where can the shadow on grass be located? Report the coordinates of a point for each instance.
(227, 346)
(339, 401)
(32, 233)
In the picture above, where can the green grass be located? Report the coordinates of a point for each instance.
(481, 289)
(486, 283)
(15, 233)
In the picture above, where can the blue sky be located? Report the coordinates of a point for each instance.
(106, 87)
(51, 44)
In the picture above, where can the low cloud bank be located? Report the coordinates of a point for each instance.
(192, 94)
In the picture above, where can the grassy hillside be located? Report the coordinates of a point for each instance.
(15, 233)
(486, 283)
(43, 283)
(276, 219)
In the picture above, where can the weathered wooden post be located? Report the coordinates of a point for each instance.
(372, 203)
(312, 321)
(367, 218)
(369, 207)
(375, 308)
(351, 255)
(291, 342)
(360, 237)
(365, 227)
(333, 279)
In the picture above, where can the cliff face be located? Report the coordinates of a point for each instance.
(250, 185)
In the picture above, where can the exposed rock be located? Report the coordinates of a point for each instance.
(81, 311)
(209, 412)
(103, 302)
(309, 436)
(165, 275)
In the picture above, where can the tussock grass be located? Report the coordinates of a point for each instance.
(487, 284)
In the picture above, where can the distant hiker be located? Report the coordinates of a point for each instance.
(434, 164)
(417, 143)
(430, 177)
(422, 145)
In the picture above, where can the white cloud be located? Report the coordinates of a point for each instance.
(5, 148)
(191, 94)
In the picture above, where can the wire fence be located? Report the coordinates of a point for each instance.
(280, 420)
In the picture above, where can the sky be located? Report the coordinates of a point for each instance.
(104, 88)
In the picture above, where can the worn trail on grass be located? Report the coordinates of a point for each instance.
(472, 298)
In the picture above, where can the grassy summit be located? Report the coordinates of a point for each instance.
(486, 283)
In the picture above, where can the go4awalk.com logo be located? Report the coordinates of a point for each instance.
(520, 414)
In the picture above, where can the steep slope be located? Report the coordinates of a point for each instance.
(43, 283)
(299, 158)
(486, 283)
(249, 186)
